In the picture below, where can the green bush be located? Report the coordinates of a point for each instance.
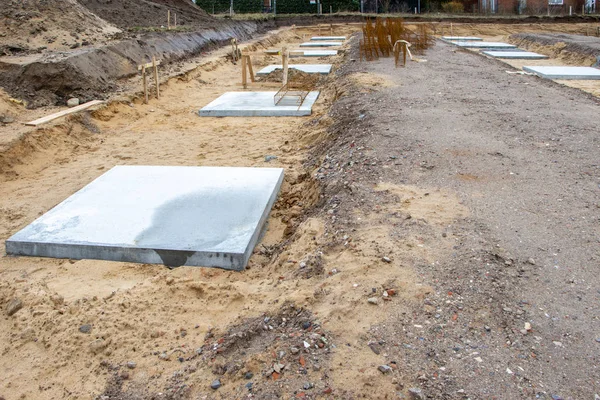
(453, 7)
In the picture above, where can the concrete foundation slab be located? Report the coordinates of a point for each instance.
(323, 69)
(461, 38)
(329, 38)
(305, 53)
(195, 216)
(484, 45)
(514, 55)
(316, 53)
(257, 104)
(320, 44)
(574, 73)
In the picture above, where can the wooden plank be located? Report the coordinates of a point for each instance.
(59, 114)
(148, 65)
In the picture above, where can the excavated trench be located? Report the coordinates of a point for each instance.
(93, 73)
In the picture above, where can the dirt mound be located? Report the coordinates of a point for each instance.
(149, 13)
(93, 73)
(293, 75)
(35, 25)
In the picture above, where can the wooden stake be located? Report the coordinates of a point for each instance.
(404, 51)
(175, 22)
(244, 73)
(145, 79)
(249, 62)
(168, 19)
(155, 67)
(284, 61)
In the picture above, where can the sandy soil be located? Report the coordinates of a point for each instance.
(427, 213)
(37, 25)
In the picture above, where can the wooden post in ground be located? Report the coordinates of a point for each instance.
(284, 62)
(244, 73)
(250, 70)
(155, 67)
(145, 79)
(168, 19)
(404, 51)
(175, 21)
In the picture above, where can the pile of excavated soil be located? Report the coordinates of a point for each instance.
(35, 25)
(150, 13)
(94, 73)
(293, 75)
(573, 49)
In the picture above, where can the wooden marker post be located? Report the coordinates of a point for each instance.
(155, 67)
(168, 19)
(144, 67)
(244, 73)
(247, 68)
(175, 20)
(145, 79)
(284, 62)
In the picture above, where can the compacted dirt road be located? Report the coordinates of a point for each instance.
(513, 311)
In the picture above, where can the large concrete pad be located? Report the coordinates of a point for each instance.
(329, 38)
(560, 72)
(323, 69)
(320, 44)
(461, 38)
(195, 216)
(484, 45)
(257, 104)
(514, 55)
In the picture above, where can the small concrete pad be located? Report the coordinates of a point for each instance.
(195, 216)
(485, 45)
(575, 73)
(305, 53)
(334, 38)
(315, 53)
(461, 38)
(320, 44)
(524, 55)
(257, 104)
(323, 69)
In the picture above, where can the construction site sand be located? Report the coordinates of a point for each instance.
(137, 311)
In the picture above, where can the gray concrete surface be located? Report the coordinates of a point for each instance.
(320, 44)
(460, 38)
(317, 53)
(515, 55)
(329, 38)
(563, 72)
(193, 216)
(484, 45)
(257, 104)
(323, 69)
